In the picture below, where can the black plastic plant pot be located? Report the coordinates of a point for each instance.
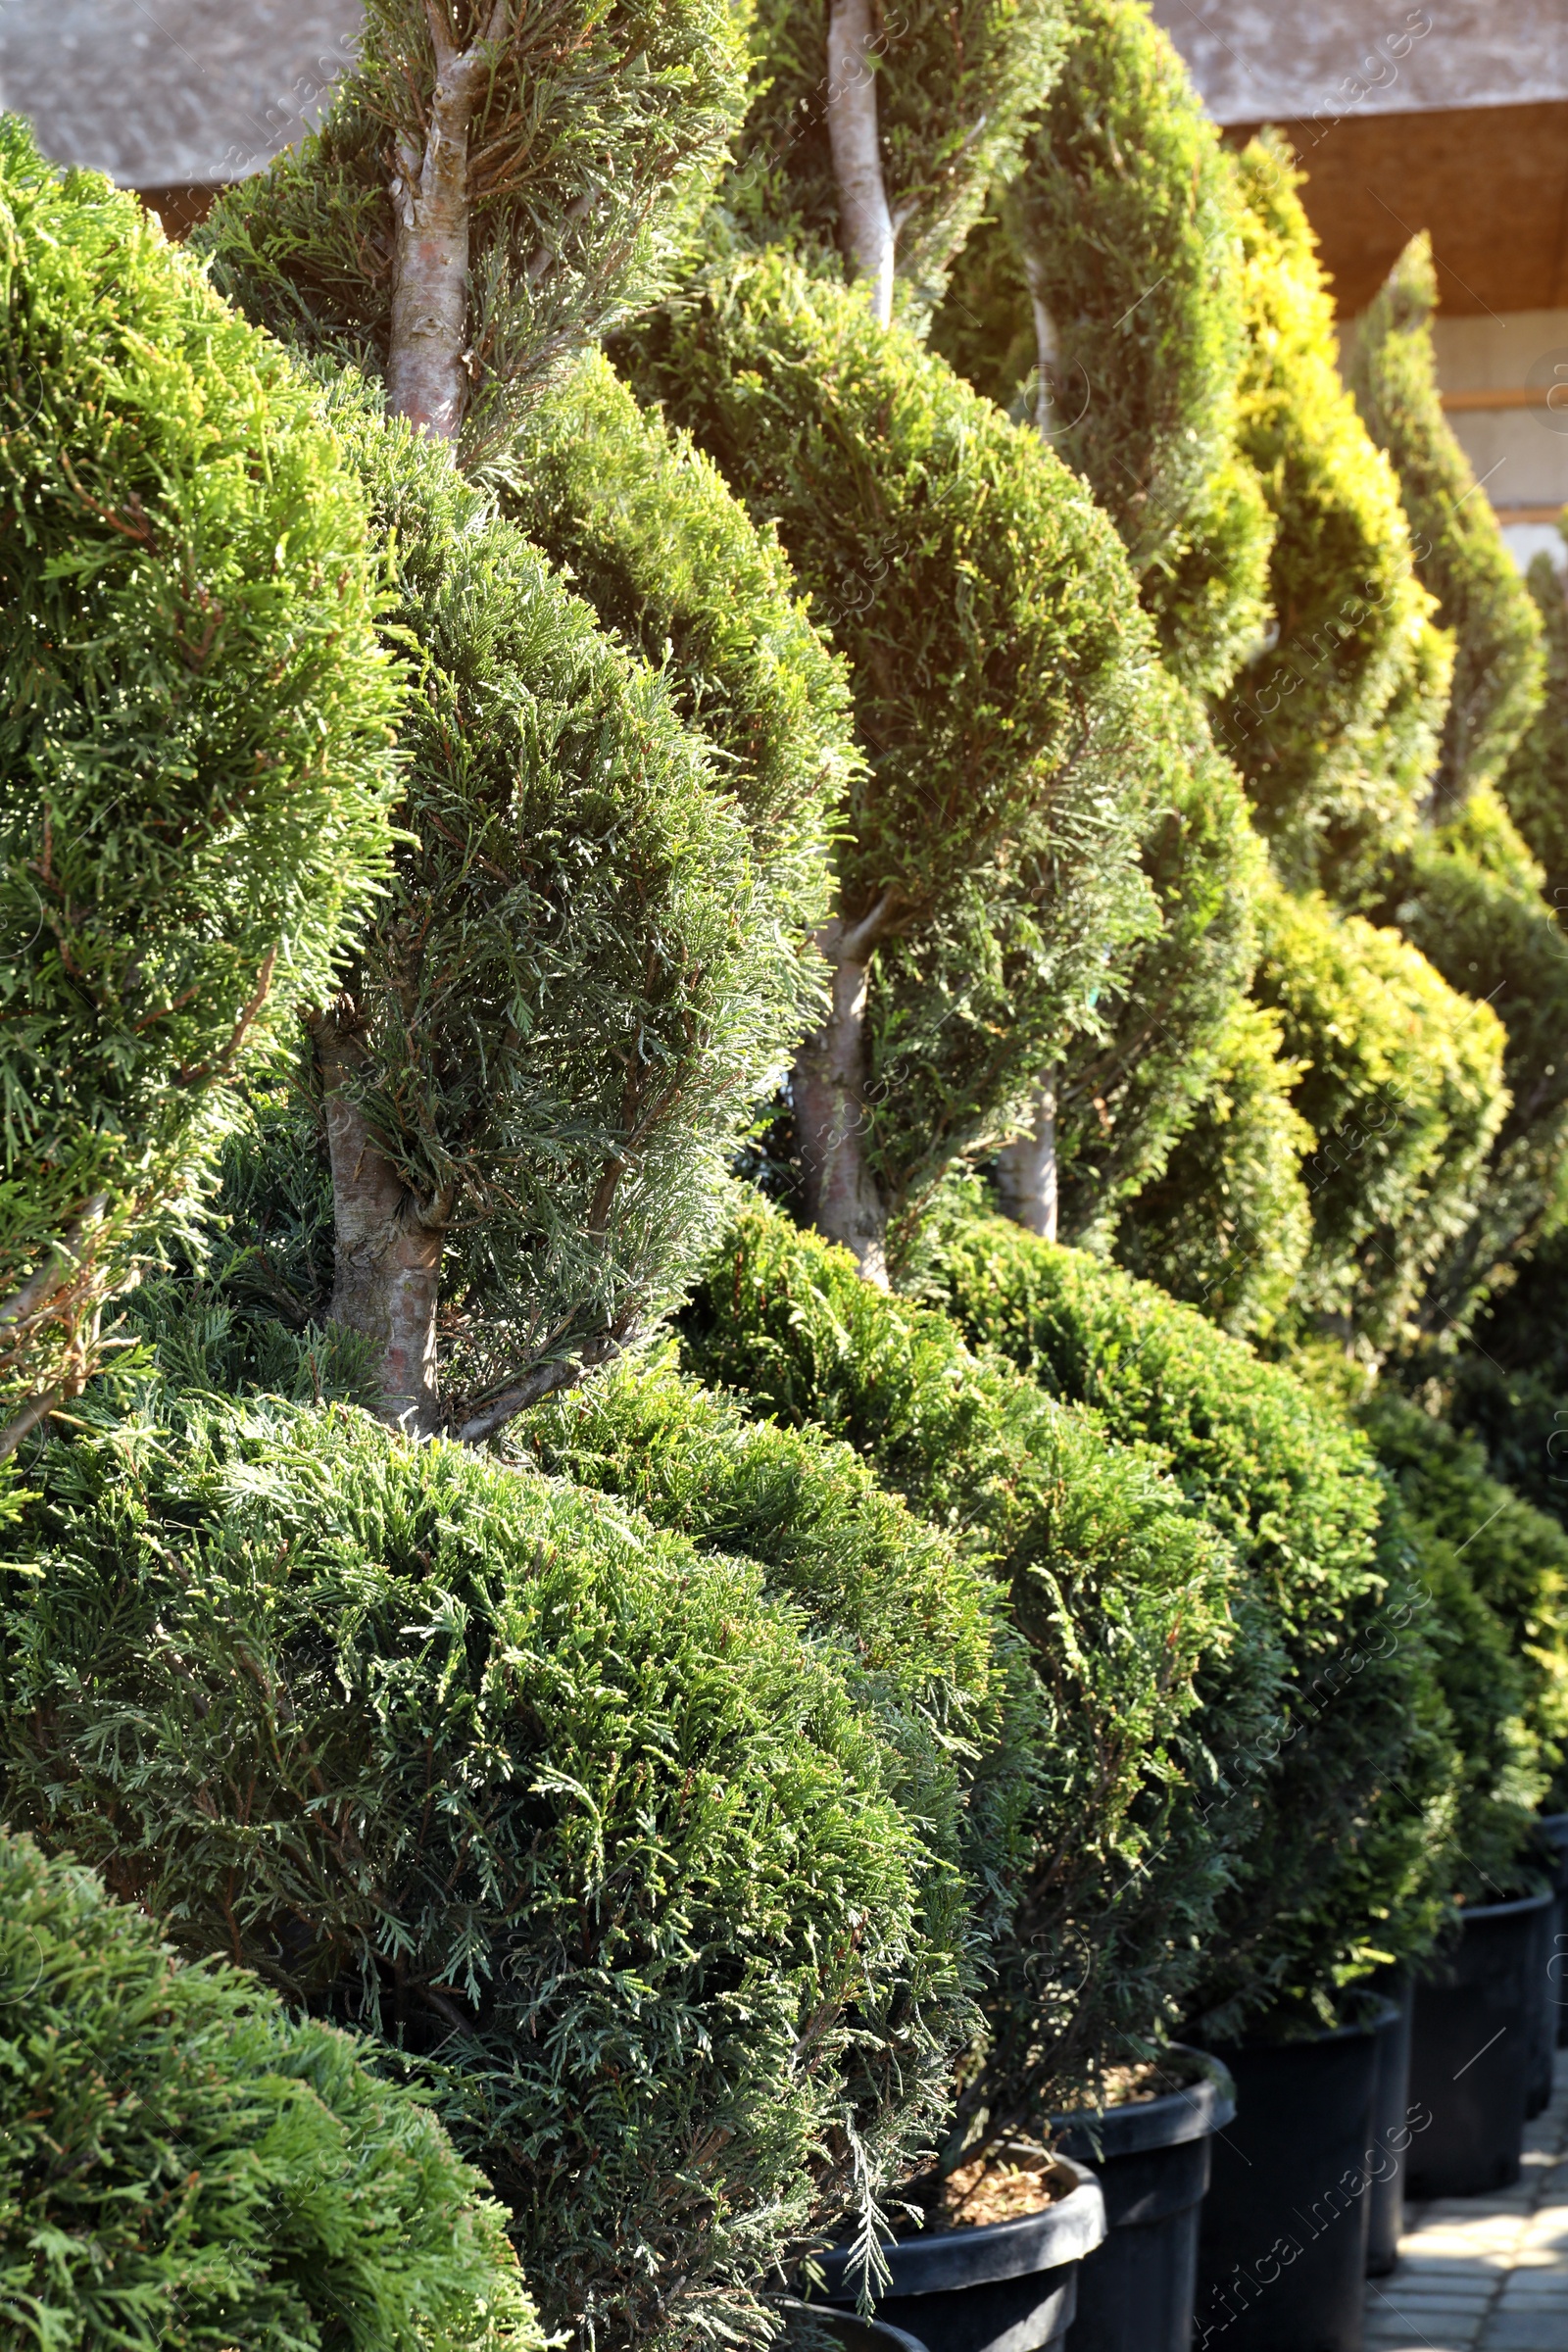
(1470, 2052)
(1392, 2127)
(1543, 2009)
(1136, 2291)
(1283, 2235)
(1552, 1830)
(1010, 2286)
(819, 2328)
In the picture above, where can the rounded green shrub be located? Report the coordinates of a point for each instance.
(1401, 1083)
(1126, 1602)
(1348, 1793)
(182, 2164)
(1227, 1224)
(583, 1816)
(194, 742)
(1534, 783)
(1002, 679)
(1332, 724)
(1459, 554)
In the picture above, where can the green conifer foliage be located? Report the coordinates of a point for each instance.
(1351, 676)
(1129, 1608)
(182, 2163)
(948, 90)
(651, 1867)
(1401, 1083)
(1228, 1222)
(1348, 1794)
(1534, 782)
(1469, 896)
(552, 151)
(585, 976)
(1001, 676)
(1458, 548)
(194, 744)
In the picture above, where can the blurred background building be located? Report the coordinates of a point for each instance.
(1450, 116)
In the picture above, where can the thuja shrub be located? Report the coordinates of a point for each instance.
(1340, 1867)
(1227, 1224)
(498, 1772)
(1461, 557)
(1124, 1600)
(1508, 1384)
(1469, 896)
(1001, 676)
(1534, 782)
(1401, 1083)
(194, 742)
(183, 2163)
(1306, 721)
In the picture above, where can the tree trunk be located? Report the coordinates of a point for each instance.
(865, 220)
(427, 374)
(1026, 1168)
(833, 1126)
(386, 1246)
(1047, 413)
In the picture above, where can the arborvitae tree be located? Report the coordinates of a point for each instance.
(194, 732)
(1003, 681)
(1331, 723)
(1105, 298)
(591, 963)
(181, 2162)
(1534, 782)
(1401, 1083)
(1458, 549)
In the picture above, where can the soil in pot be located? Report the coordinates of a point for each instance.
(1283, 2233)
(1150, 2145)
(1000, 2285)
(1471, 2050)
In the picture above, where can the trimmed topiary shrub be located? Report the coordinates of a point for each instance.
(1129, 1608)
(1350, 1789)
(1459, 552)
(1001, 681)
(488, 1765)
(183, 2163)
(1534, 782)
(1401, 1083)
(1334, 726)
(194, 744)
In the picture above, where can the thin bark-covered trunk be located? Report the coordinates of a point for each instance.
(427, 374)
(832, 1117)
(1047, 412)
(386, 1246)
(1026, 1167)
(864, 219)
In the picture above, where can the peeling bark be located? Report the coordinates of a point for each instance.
(832, 1117)
(865, 220)
(387, 1244)
(427, 374)
(1026, 1168)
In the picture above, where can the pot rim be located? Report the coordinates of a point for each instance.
(1511, 1909)
(1136, 2126)
(900, 2336)
(1377, 2023)
(1035, 2242)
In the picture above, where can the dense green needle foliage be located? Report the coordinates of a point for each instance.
(1509, 1388)
(1534, 782)
(1110, 283)
(953, 86)
(492, 1767)
(597, 129)
(1001, 673)
(1124, 1600)
(1459, 554)
(1401, 1083)
(1499, 1569)
(1334, 725)
(182, 2165)
(1228, 1223)
(1350, 1789)
(1469, 896)
(194, 742)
